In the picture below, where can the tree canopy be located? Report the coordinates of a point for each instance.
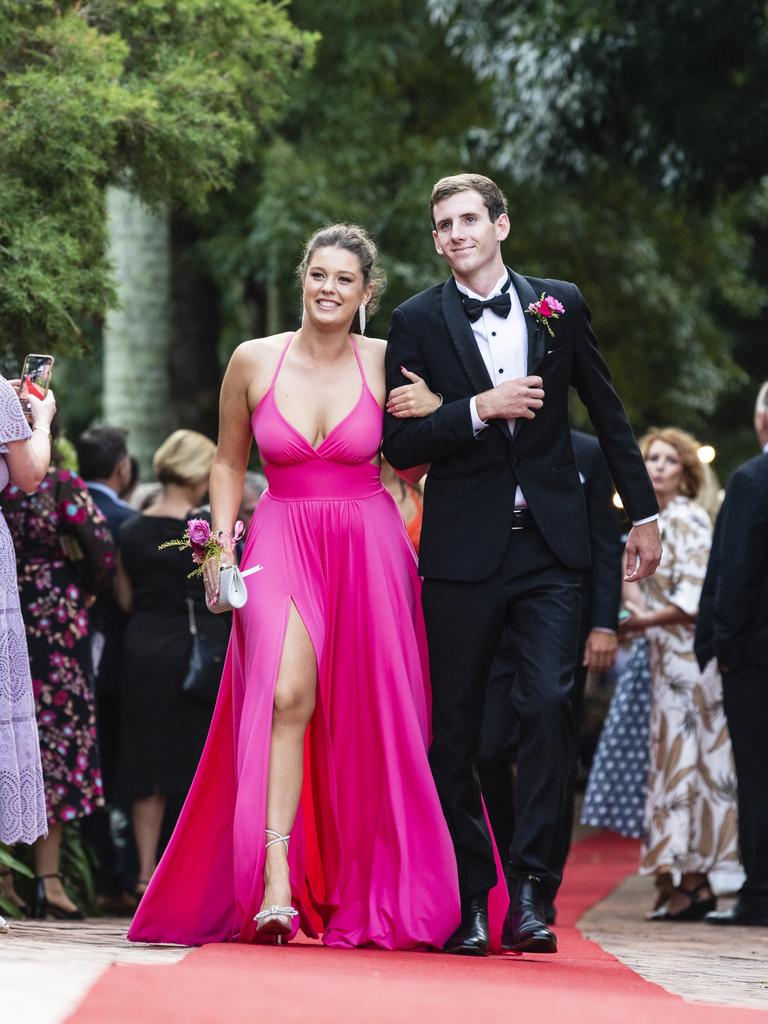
(677, 91)
(167, 96)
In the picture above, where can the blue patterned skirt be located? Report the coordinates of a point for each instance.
(616, 791)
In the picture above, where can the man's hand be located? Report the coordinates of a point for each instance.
(600, 650)
(514, 399)
(643, 551)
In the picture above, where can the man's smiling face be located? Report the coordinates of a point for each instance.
(464, 234)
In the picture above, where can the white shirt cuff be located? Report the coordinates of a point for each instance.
(603, 629)
(477, 423)
(641, 522)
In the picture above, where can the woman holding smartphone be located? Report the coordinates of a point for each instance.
(25, 452)
(313, 805)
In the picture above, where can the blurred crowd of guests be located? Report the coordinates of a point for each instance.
(107, 619)
(682, 758)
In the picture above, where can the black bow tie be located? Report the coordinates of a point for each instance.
(501, 304)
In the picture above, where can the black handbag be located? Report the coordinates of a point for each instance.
(206, 661)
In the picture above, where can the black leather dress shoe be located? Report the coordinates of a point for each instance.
(525, 928)
(739, 914)
(471, 937)
(550, 912)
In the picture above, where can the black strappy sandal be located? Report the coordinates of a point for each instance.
(696, 910)
(42, 907)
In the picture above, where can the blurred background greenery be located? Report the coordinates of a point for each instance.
(166, 159)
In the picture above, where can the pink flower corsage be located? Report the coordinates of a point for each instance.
(204, 543)
(545, 310)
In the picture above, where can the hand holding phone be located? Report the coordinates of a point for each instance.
(33, 386)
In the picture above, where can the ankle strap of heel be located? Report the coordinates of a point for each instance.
(278, 838)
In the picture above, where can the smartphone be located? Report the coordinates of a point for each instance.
(35, 377)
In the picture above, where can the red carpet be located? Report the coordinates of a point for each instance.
(233, 984)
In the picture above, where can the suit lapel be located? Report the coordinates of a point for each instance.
(536, 343)
(463, 339)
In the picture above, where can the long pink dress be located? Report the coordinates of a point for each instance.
(370, 854)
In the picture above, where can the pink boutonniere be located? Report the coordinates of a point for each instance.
(546, 309)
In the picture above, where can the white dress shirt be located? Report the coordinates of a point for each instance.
(503, 344)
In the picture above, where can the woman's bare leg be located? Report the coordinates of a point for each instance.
(47, 857)
(147, 815)
(294, 705)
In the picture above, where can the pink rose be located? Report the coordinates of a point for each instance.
(554, 305)
(198, 532)
(543, 309)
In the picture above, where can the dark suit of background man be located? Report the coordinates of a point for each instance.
(505, 539)
(598, 642)
(105, 465)
(733, 627)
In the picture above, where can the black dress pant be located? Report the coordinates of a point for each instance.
(745, 698)
(498, 755)
(539, 600)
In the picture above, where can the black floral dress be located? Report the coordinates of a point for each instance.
(65, 555)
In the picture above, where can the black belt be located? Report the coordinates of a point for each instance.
(522, 520)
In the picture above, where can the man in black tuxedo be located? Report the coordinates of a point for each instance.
(598, 644)
(733, 627)
(505, 538)
(105, 465)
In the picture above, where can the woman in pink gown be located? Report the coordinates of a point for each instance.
(322, 726)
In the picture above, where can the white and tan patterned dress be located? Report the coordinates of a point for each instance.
(690, 815)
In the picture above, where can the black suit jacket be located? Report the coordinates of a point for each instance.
(470, 489)
(733, 613)
(106, 615)
(602, 596)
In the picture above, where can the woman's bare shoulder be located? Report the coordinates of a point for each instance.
(259, 353)
(372, 350)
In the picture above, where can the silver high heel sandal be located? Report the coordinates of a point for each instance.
(274, 920)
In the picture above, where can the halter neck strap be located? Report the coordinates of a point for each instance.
(280, 360)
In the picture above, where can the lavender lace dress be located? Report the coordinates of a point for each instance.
(22, 798)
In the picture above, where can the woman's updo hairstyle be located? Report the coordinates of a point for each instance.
(355, 240)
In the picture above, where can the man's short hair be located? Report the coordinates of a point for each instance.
(761, 405)
(99, 450)
(494, 199)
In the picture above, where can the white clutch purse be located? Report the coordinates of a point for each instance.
(233, 592)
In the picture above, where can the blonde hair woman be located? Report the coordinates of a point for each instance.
(690, 820)
(163, 731)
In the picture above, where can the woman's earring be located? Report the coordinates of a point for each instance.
(303, 313)
(361, 316)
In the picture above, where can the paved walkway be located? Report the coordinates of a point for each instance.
(702, 963)
(46, 967)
